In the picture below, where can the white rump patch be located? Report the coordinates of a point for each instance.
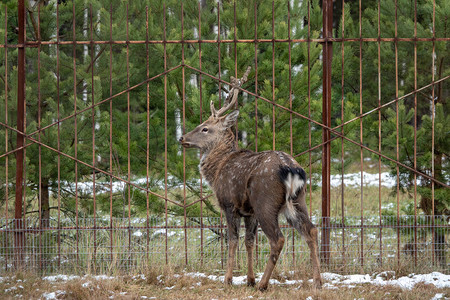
(293, 185)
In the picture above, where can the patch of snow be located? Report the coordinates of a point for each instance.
(60, 277)
(357, 279)
(388, 206)
(53, 295)
(137, 233)
(163, 231)
(438, 296)
(139, 277)
(13, 288)
(160, 278)
(117, 186)
(329, 286)
(354, 179)
(292, 282)
(196, 274)
(334, 278)
(437, 279)
(49, 296)
(102, 277)
(238, 279)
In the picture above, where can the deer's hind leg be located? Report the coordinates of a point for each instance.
(251, 225)
(233, 222)
(306, 228)
(269, 225)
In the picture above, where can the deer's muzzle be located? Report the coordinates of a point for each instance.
(183, 142)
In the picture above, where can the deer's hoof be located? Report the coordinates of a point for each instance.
(318, 284)
(262, 287)
(250, 281)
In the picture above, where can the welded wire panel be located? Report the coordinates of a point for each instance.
(146, 246)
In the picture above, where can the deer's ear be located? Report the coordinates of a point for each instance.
(230, 119)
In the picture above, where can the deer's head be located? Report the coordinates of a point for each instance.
(209, 133)
(217, 127)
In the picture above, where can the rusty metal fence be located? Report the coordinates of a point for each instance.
(93, 180)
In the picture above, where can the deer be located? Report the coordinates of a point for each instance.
(255, 186)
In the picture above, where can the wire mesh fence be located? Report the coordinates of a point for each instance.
(113, 246)
(95, 96)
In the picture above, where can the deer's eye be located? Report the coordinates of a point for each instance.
(205, 129)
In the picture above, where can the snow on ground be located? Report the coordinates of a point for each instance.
(331, 281)
(334, 281)
(354, 179)
(405, 282)
(369, 179)
(62, 278)
(350, 180)
(53, 295)
(438, 296)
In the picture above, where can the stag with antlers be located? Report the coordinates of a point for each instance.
(256, 186)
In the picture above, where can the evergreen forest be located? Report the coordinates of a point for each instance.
(123, 103)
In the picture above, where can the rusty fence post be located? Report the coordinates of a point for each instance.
(327, 11)
(18, 233)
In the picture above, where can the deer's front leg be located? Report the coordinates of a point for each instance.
(233, 222)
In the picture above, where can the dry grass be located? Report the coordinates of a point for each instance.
(166, 283)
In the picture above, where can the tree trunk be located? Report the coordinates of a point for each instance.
(45, 204)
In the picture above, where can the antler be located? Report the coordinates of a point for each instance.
(232, 95)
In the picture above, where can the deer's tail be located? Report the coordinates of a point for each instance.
(294, 179)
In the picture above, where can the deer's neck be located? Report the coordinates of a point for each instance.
(214, 159)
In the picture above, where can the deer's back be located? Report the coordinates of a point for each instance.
(250, 178)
